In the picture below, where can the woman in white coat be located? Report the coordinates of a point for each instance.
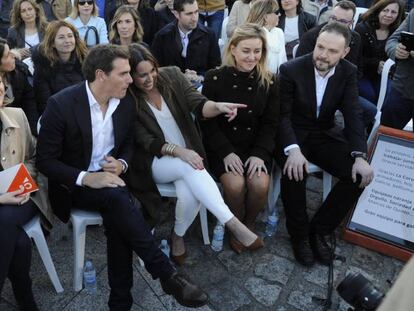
(266, 14)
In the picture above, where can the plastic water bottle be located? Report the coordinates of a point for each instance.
(89, 278)
(218, 236)
(271, 225)
(165, 248)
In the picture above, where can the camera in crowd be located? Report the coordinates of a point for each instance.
(360, 293)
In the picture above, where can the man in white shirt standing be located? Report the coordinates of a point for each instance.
(84, 146)
(312, 88)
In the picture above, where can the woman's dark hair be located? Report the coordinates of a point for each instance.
(139, 53)
(299, 7)
(246, 1)
(371, 16)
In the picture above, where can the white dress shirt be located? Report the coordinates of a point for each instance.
(103, 140)
(320, 86)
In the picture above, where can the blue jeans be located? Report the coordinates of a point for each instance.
(213, 21)
(369, 111)
(369, 89)
(397, 110)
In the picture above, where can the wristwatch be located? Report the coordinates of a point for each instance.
(359, 154)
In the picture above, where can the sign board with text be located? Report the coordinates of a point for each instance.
(383, 218)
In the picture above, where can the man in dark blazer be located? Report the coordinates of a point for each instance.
(187, 44)
(84, 146)
(343, 12)
(312, 88)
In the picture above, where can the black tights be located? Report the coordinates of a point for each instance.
(16, 251)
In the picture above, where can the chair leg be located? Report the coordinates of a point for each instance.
(43, 249)
(204, 224)
(274, 189)
(79, 236)
(35, 232)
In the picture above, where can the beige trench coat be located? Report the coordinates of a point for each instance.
(17, 146)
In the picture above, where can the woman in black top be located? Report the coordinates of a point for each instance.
(19, 91)
(57, 61)
(148, 18)
(378, 23)
(294, 22)
(28, 23)
(240, 152)
(125, 27)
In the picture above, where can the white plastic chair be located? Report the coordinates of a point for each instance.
(383, 91)
(274, 186)
(34, 231)
(81, 219)
(359, 11)
(295, 49)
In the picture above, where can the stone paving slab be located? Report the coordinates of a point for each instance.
(268, 279)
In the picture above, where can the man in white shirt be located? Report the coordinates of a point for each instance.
(84, 146)
(312, 88)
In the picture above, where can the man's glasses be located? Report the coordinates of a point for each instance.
(342, 21)
(85, 2)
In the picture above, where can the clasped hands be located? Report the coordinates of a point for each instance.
(112, 168)
(296, 165)
(233, 164)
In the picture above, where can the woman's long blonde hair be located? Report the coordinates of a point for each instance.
(47, 49)
(260, 9)
(113, 31)
(245, 32)
(16, 19)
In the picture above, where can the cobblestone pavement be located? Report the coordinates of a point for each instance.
(268, 279)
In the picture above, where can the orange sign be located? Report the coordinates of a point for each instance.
(15, 177)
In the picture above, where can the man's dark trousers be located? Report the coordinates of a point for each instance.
(333, 156)
(126, 231)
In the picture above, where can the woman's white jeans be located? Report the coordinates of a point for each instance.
(192, 187)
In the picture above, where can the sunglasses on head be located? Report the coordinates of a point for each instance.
(85, 2)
